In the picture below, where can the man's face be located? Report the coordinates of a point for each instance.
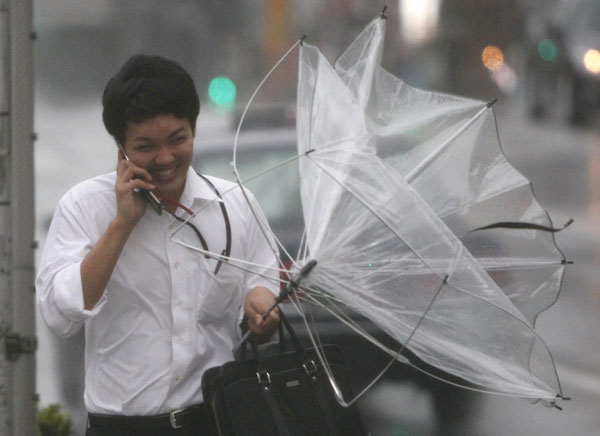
(163, 145)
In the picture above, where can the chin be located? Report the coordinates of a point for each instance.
(172, 189)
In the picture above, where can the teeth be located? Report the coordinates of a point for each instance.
(165, 173)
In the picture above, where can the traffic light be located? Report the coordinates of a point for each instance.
(222, 93)
(548, 50)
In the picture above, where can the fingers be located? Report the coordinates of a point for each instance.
(263, 327)
(258, 301)
(130, 177)
(127, 170)
(266, 323)
(139, 184)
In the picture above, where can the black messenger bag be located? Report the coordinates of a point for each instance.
(287, 394)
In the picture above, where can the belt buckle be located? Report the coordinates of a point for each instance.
(173, 419)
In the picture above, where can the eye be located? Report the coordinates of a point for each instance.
(179, 139)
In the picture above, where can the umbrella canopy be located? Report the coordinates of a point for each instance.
(418, 222)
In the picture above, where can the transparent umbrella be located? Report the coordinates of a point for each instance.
(415, 219)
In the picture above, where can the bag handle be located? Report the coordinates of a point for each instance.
(284, 325)
(290, 287)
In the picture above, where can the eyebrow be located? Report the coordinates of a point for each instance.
(177, 132)
(170, 136)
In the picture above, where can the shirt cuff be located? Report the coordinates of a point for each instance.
(68, 294)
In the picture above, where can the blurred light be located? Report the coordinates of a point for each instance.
(221, 93)
(492, 57)
(419, 19)
(548, 50)
(591, 60)
(506, 79)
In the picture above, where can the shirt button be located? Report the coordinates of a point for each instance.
(179, 340)
(176, 265)
(177, 378)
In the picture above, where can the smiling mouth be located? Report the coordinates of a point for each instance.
(165, 174)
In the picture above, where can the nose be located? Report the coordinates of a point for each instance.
(163, 156)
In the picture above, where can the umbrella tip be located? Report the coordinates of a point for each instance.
(491, 103)
(383, 16)
(302, 39)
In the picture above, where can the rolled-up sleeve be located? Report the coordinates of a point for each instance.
(58, 284)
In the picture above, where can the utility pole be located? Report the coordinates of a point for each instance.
(17, 315)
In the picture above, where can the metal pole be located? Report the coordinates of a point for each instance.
(17, 316)
(5, 295)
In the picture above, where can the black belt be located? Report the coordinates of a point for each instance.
(189, 416)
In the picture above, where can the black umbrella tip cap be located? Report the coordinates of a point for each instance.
(306, 269)
(383, 16)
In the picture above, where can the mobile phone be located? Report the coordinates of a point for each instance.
(150, 198)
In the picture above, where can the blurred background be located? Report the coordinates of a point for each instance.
(539, 58)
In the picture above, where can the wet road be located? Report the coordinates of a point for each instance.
(564, 167)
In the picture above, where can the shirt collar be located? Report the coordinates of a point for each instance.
(196, 189)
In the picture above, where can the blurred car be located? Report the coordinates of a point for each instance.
(277, 191)
(563, 60)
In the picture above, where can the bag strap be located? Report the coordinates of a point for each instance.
(284, 325)
(324, 402)
(276, 413)
(284, 322)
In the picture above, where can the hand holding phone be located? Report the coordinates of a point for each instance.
(148, 196)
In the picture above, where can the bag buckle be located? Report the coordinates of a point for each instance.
(310, 367)
(173, 418)
(263, 377)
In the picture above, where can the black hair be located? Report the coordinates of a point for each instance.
(144, 87)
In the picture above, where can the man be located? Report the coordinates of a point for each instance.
(156, 314)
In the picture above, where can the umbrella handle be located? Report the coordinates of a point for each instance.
(287, 291)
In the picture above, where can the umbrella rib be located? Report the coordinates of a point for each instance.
(368, 207)
(419, 168)
(502, 309)
(383, 221)
(370, 338)
(235, 145)
(396, 355)
(233, 261)
(492, 266)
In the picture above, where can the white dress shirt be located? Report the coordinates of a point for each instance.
(165, 317)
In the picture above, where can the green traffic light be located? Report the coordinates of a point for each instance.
(548, 50)
(222, 92)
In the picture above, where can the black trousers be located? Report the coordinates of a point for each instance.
(193, 422)
(189, 431)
